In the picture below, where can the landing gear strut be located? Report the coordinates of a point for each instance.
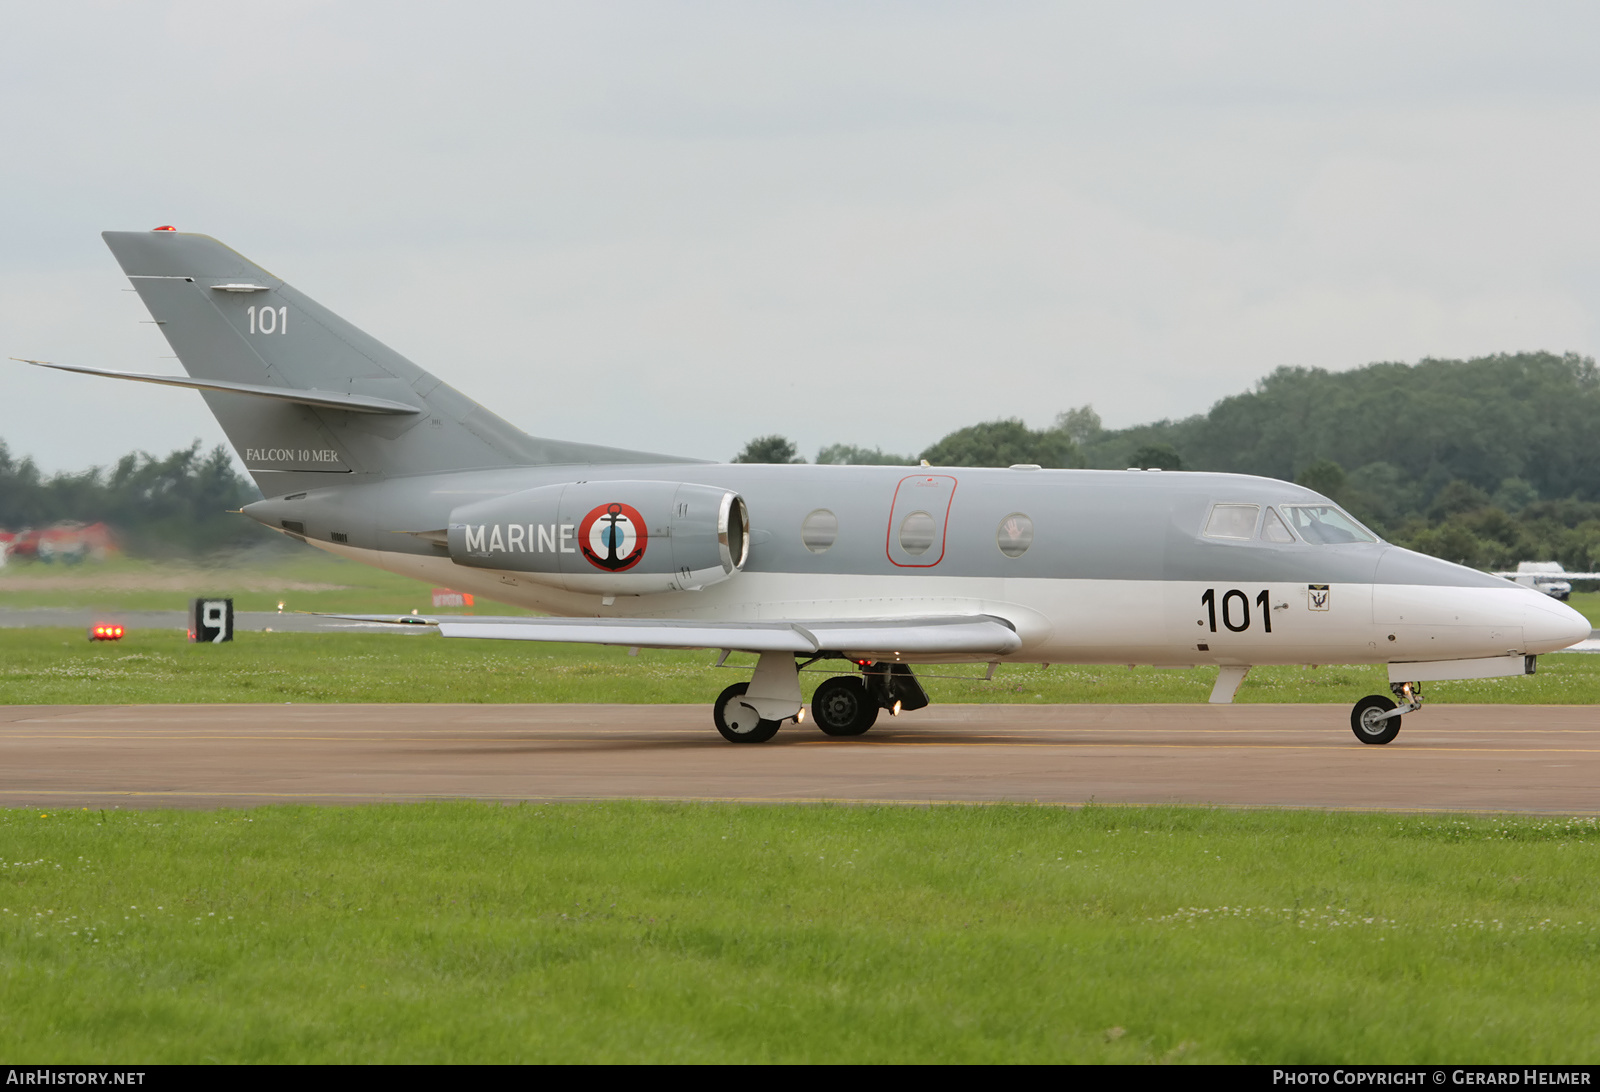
(1376, 719)
(738, 722)
(845, 705)
(752, 712)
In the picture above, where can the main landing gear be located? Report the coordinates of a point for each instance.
(1376, 719)
(845, 705)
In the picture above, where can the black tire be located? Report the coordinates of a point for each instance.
(841, 706)
(1364, 722)
(732, 715)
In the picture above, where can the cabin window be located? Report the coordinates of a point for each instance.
(819, 530)
(917, 532)
(1232, 521)
(1273, 528)
(1015, 535)
(1323, 524)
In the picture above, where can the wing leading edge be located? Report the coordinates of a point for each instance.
(978, 635)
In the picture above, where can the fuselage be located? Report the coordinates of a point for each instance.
(1088, 566)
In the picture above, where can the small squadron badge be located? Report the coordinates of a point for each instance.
(613, 537)
(1317, 596)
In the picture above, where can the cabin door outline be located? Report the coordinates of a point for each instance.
(930, 493)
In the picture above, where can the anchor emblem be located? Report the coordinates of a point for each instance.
(613, 537)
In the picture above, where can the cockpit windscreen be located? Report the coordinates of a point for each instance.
(1325, 525)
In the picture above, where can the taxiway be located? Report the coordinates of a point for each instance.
(1449, 757)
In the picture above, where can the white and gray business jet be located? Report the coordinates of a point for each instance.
(360, 452)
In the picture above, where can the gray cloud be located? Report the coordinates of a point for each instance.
(679, 226)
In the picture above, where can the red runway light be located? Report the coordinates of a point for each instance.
(105, 632)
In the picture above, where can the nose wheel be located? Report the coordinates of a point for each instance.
(1376, 719)
(1370, 721)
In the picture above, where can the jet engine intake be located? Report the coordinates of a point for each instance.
(610, 538)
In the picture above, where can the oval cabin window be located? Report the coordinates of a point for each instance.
(1015, 535)
(819, 530)
(916, 533)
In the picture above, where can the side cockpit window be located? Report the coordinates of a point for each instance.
(1273, 528)
(1235, 521)
(1325, 525)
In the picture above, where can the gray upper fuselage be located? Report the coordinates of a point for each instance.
(1087, 524)
(390, 482)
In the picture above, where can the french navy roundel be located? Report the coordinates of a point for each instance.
(613, 537)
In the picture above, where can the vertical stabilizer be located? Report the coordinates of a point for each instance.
(230, 320)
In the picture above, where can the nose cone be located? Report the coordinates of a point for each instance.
(1549, 626)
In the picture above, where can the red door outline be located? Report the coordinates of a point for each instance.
(888, 539)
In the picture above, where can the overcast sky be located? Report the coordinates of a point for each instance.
(678, 226)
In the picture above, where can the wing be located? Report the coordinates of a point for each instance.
(974, 634)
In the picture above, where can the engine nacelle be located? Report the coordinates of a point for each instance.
(610, 538)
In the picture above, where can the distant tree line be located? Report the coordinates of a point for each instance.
(175, 505)
(1486, 461)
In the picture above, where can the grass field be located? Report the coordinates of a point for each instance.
(304, 579)
(657, 932)
(48, 666)
(58, 666)
(682, 932)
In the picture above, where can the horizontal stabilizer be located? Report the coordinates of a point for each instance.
(355, 403)
(977, 635)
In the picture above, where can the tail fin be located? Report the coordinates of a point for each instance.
(236, 325)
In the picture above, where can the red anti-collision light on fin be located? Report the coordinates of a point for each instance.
(164, 227)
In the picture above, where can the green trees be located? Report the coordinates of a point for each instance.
(769, 449)
(1528, 418)
(176, 504)
(854, 455)
(1004, 443)
(1157, 457)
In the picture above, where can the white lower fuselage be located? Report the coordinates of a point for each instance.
(1160, 622)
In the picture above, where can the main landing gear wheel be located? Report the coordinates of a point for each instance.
(1365, 722)
(737, 722)
(841, 706)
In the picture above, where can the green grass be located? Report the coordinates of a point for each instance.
(58, 666)
(305, 580)
(1588, 605)
(660, 932)
(46, 666)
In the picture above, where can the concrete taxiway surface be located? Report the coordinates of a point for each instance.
(1517, 758)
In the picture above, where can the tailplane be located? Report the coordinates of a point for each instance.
(301, 393)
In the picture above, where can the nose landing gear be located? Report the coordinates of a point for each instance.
(1376, 719)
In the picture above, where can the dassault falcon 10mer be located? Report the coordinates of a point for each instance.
(360, 452)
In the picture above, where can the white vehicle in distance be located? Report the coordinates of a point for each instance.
(1548, 577)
